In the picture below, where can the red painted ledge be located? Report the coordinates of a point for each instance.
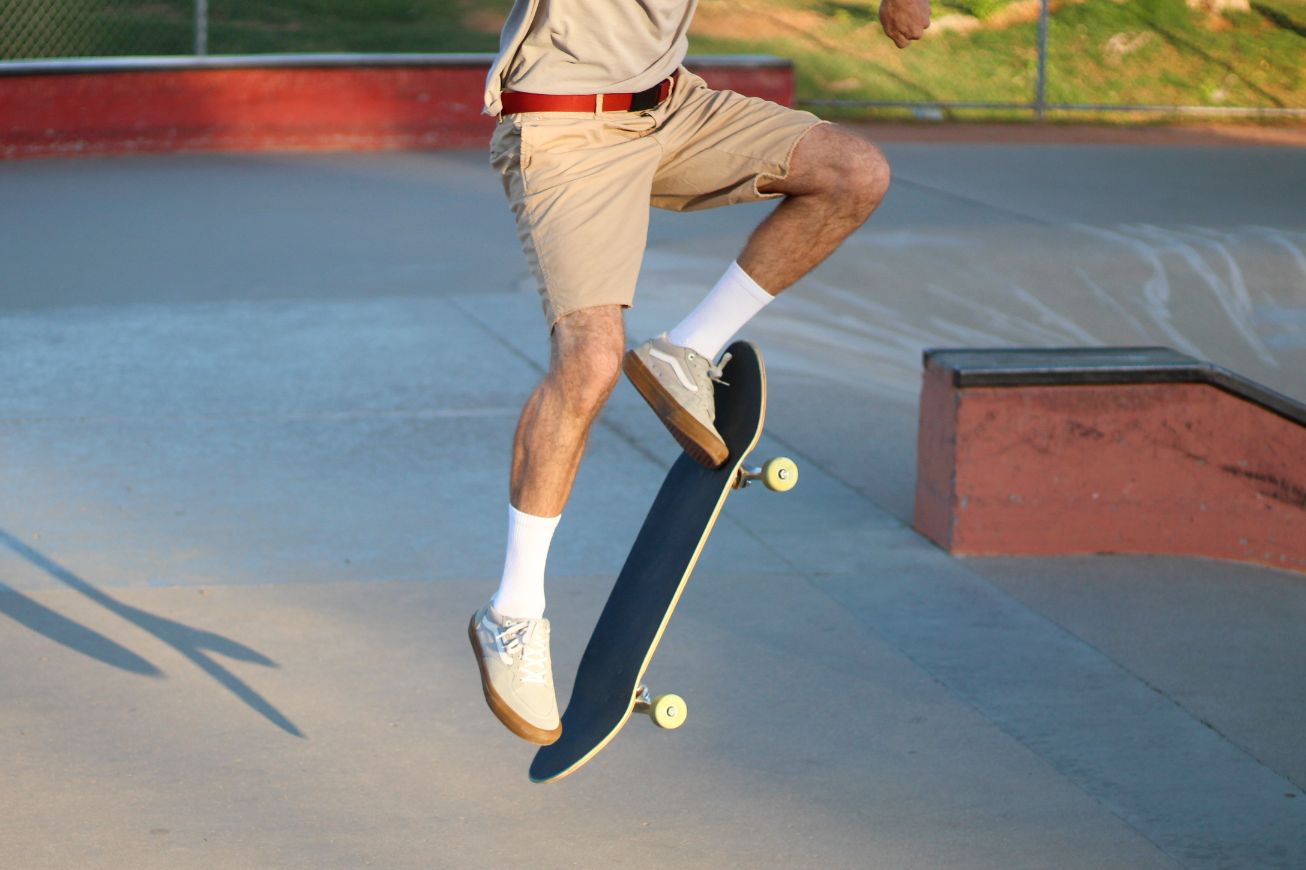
(278, 103)
(1137, 450)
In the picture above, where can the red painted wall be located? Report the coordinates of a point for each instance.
(1183, 469)
(276, 108)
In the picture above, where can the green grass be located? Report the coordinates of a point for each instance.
(1100, 51)
(240, 26)
(1254, 62)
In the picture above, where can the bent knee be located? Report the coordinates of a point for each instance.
(587, 370)
(874, 174)
(866, 177)
(850, 172)
(595, 373)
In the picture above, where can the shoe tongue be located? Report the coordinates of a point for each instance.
(537, 628)
(502, 618)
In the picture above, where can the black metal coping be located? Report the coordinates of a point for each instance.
(1078, 366)
(292, 61)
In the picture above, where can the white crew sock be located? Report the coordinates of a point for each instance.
(723, 312)
(521, 591)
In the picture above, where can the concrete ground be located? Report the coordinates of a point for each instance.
(253, 445)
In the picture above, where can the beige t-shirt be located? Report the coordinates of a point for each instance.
(588, 46)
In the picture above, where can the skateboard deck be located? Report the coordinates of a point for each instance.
(654, 575)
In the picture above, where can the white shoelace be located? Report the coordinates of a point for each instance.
(715, 372)
(533, 645)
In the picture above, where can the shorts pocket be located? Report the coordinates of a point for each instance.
(555, 151)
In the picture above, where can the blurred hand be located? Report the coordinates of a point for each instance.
(904, 20)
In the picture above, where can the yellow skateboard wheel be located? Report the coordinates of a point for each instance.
(668, 711)
(779, 474)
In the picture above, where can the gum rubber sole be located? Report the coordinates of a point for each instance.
(702, 444)
(499, 707)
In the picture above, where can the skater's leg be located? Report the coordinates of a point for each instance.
(584, 364)
(509, 634)
(835, 181)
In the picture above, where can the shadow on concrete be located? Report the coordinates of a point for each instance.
(194, 644)
(63, 630)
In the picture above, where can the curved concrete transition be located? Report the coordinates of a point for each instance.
(1127, 450)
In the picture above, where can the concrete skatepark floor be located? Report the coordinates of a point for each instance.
(254, 440)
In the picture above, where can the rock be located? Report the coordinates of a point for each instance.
(1219, 7)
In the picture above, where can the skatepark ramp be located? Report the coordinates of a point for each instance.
(1113, 450)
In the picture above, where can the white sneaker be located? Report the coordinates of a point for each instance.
(678, 384)
(516, 674)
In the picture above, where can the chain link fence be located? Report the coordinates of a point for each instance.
(31, 29)
(44, 29)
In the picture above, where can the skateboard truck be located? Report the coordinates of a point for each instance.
(666, 711)
(778, 475)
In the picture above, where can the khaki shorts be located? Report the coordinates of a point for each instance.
(580, 184)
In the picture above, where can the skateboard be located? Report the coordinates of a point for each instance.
(609, 680)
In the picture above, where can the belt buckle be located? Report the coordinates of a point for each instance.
(647, 99)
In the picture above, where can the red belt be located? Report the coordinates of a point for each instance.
(515, 102)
